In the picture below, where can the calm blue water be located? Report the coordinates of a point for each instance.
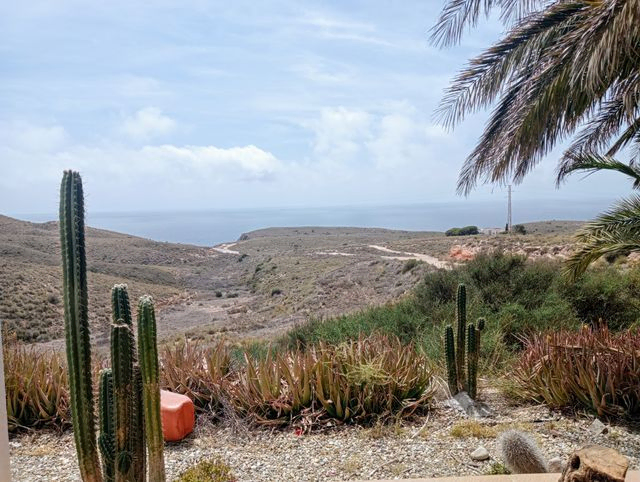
(212, 227)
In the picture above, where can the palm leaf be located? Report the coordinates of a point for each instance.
(613, 232)
(592, 162)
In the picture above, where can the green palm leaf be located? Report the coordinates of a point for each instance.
(614, 232)
(594, 162)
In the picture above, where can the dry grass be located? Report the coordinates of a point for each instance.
(473, 428)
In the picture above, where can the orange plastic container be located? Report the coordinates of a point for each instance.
(178, 415)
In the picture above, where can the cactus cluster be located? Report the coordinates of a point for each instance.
(463, 375)
(521, 453)
(129, 392)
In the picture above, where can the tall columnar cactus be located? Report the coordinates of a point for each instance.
(122, 361)
(107, 437)
(147, 347)
(138, 432)
(479, 327)
(472, 361)
(122, 411)
(450, 353)
(76, 324)
(469, 336)
(461, 315)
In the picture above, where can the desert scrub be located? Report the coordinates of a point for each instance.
(409, 265)
(208, 471)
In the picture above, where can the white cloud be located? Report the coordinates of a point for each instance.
(146, 124)
(340, 133)
(29, 137)
(40, 153)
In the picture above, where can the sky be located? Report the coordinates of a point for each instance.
(194, 104)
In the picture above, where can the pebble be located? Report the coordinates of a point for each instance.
(480, 454)
(556, 465)
(422, 449)
(597, 428)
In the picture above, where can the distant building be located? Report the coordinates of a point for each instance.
(491, 231)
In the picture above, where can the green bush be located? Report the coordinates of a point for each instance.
(466, 231)
(409, 265)
(607, 295)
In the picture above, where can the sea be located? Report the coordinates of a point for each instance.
(212, 227)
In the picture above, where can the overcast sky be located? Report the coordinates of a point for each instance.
(195, 104)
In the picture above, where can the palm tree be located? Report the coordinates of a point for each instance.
(563, 66)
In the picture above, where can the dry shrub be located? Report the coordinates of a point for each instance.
(195, 371)
(36, 388)
(592, 369)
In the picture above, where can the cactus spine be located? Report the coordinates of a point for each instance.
(468, 336)
(107, 437)
(151, 386)
(122, 413)
(76, 324)
(461, 315)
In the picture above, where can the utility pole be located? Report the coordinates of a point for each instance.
(509, 212)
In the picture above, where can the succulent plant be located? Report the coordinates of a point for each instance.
(76, 325)
(467, 336)
(123, 415)
(521, 454)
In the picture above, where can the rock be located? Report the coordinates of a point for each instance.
(597, 428)
(464, 402)
(556, 465)
(480, 454)
(595, 463)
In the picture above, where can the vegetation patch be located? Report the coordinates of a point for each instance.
(208, 471)
(592, 369)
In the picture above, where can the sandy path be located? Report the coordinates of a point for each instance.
(224, 248)
(403, 256)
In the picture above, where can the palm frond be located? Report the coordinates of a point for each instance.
(455, 17)
(614, 232)
(485, 76)
(549, 82)
(592, 162)
(458, 15)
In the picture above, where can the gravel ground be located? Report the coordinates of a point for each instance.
(425, 448)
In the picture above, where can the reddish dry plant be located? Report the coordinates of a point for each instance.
(592, 369)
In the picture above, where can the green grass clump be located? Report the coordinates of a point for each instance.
(409, 265)
(208, 471)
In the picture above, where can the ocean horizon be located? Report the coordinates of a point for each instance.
(212, 227)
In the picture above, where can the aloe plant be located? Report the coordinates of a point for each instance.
(122, 413)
